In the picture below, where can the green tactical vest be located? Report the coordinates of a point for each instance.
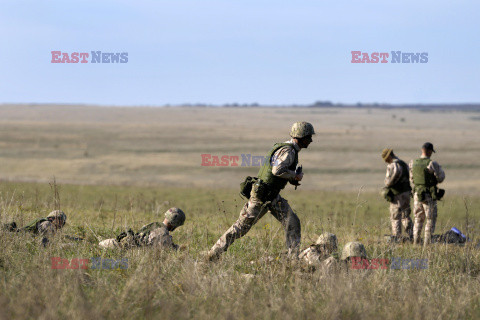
(33, 226)
(422, 178)
(265, 174)
(403, 184)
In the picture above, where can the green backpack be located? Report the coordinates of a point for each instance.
(33, 226)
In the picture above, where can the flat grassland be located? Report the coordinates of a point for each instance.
(160, 146)
(124, 167)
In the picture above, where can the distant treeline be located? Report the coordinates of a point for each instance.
(317, 104)
(329, 104)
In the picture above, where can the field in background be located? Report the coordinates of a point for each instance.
(124, 167)
(163, 146)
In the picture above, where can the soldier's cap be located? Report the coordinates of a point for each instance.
(428, 146)
(386, 153)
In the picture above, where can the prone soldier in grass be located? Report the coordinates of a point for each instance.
(322, 254)
(153, 234)
(42, 226)
(263, 193)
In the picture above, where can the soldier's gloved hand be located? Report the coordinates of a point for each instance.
(294, 182)
(299, 177)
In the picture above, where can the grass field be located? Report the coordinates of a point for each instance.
(160, 146)
(124, 167)
(171, 285)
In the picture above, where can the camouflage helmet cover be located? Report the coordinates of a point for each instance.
(301, 129)
(329, 240)
(58, 214)
(175, 217)
(353, 249)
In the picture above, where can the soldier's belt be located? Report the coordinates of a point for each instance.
(265, 192)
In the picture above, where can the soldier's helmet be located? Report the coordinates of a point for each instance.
(57, 214)
(175, 217)
(328, 241)
(353, 249)
(301, 129)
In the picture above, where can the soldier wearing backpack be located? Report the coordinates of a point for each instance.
(397, 191)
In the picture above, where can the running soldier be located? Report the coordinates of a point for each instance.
(280, 168)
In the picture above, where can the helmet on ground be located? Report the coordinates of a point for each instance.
(57, 214)
(175, 217)
(353, 249)
(301, 129)
(329, 240)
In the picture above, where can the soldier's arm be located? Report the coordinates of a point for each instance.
(394, 172)
(168, 242)
(282, 159)
(410, 165)
(46, 228)
(172, 245)
(304, 253)
(437, 170)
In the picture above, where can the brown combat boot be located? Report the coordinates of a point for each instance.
(212, 256)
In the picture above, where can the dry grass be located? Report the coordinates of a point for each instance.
(169, 285)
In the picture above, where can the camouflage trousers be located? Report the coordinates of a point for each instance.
(252, 211)
(424, 209)
(400, 214)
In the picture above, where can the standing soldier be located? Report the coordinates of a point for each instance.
(398, 192)
(279, 169)
(425, 175)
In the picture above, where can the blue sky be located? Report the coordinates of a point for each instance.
(268, 52)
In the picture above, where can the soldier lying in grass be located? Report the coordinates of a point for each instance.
(153, 234)
(42, 226)
(322, 254)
